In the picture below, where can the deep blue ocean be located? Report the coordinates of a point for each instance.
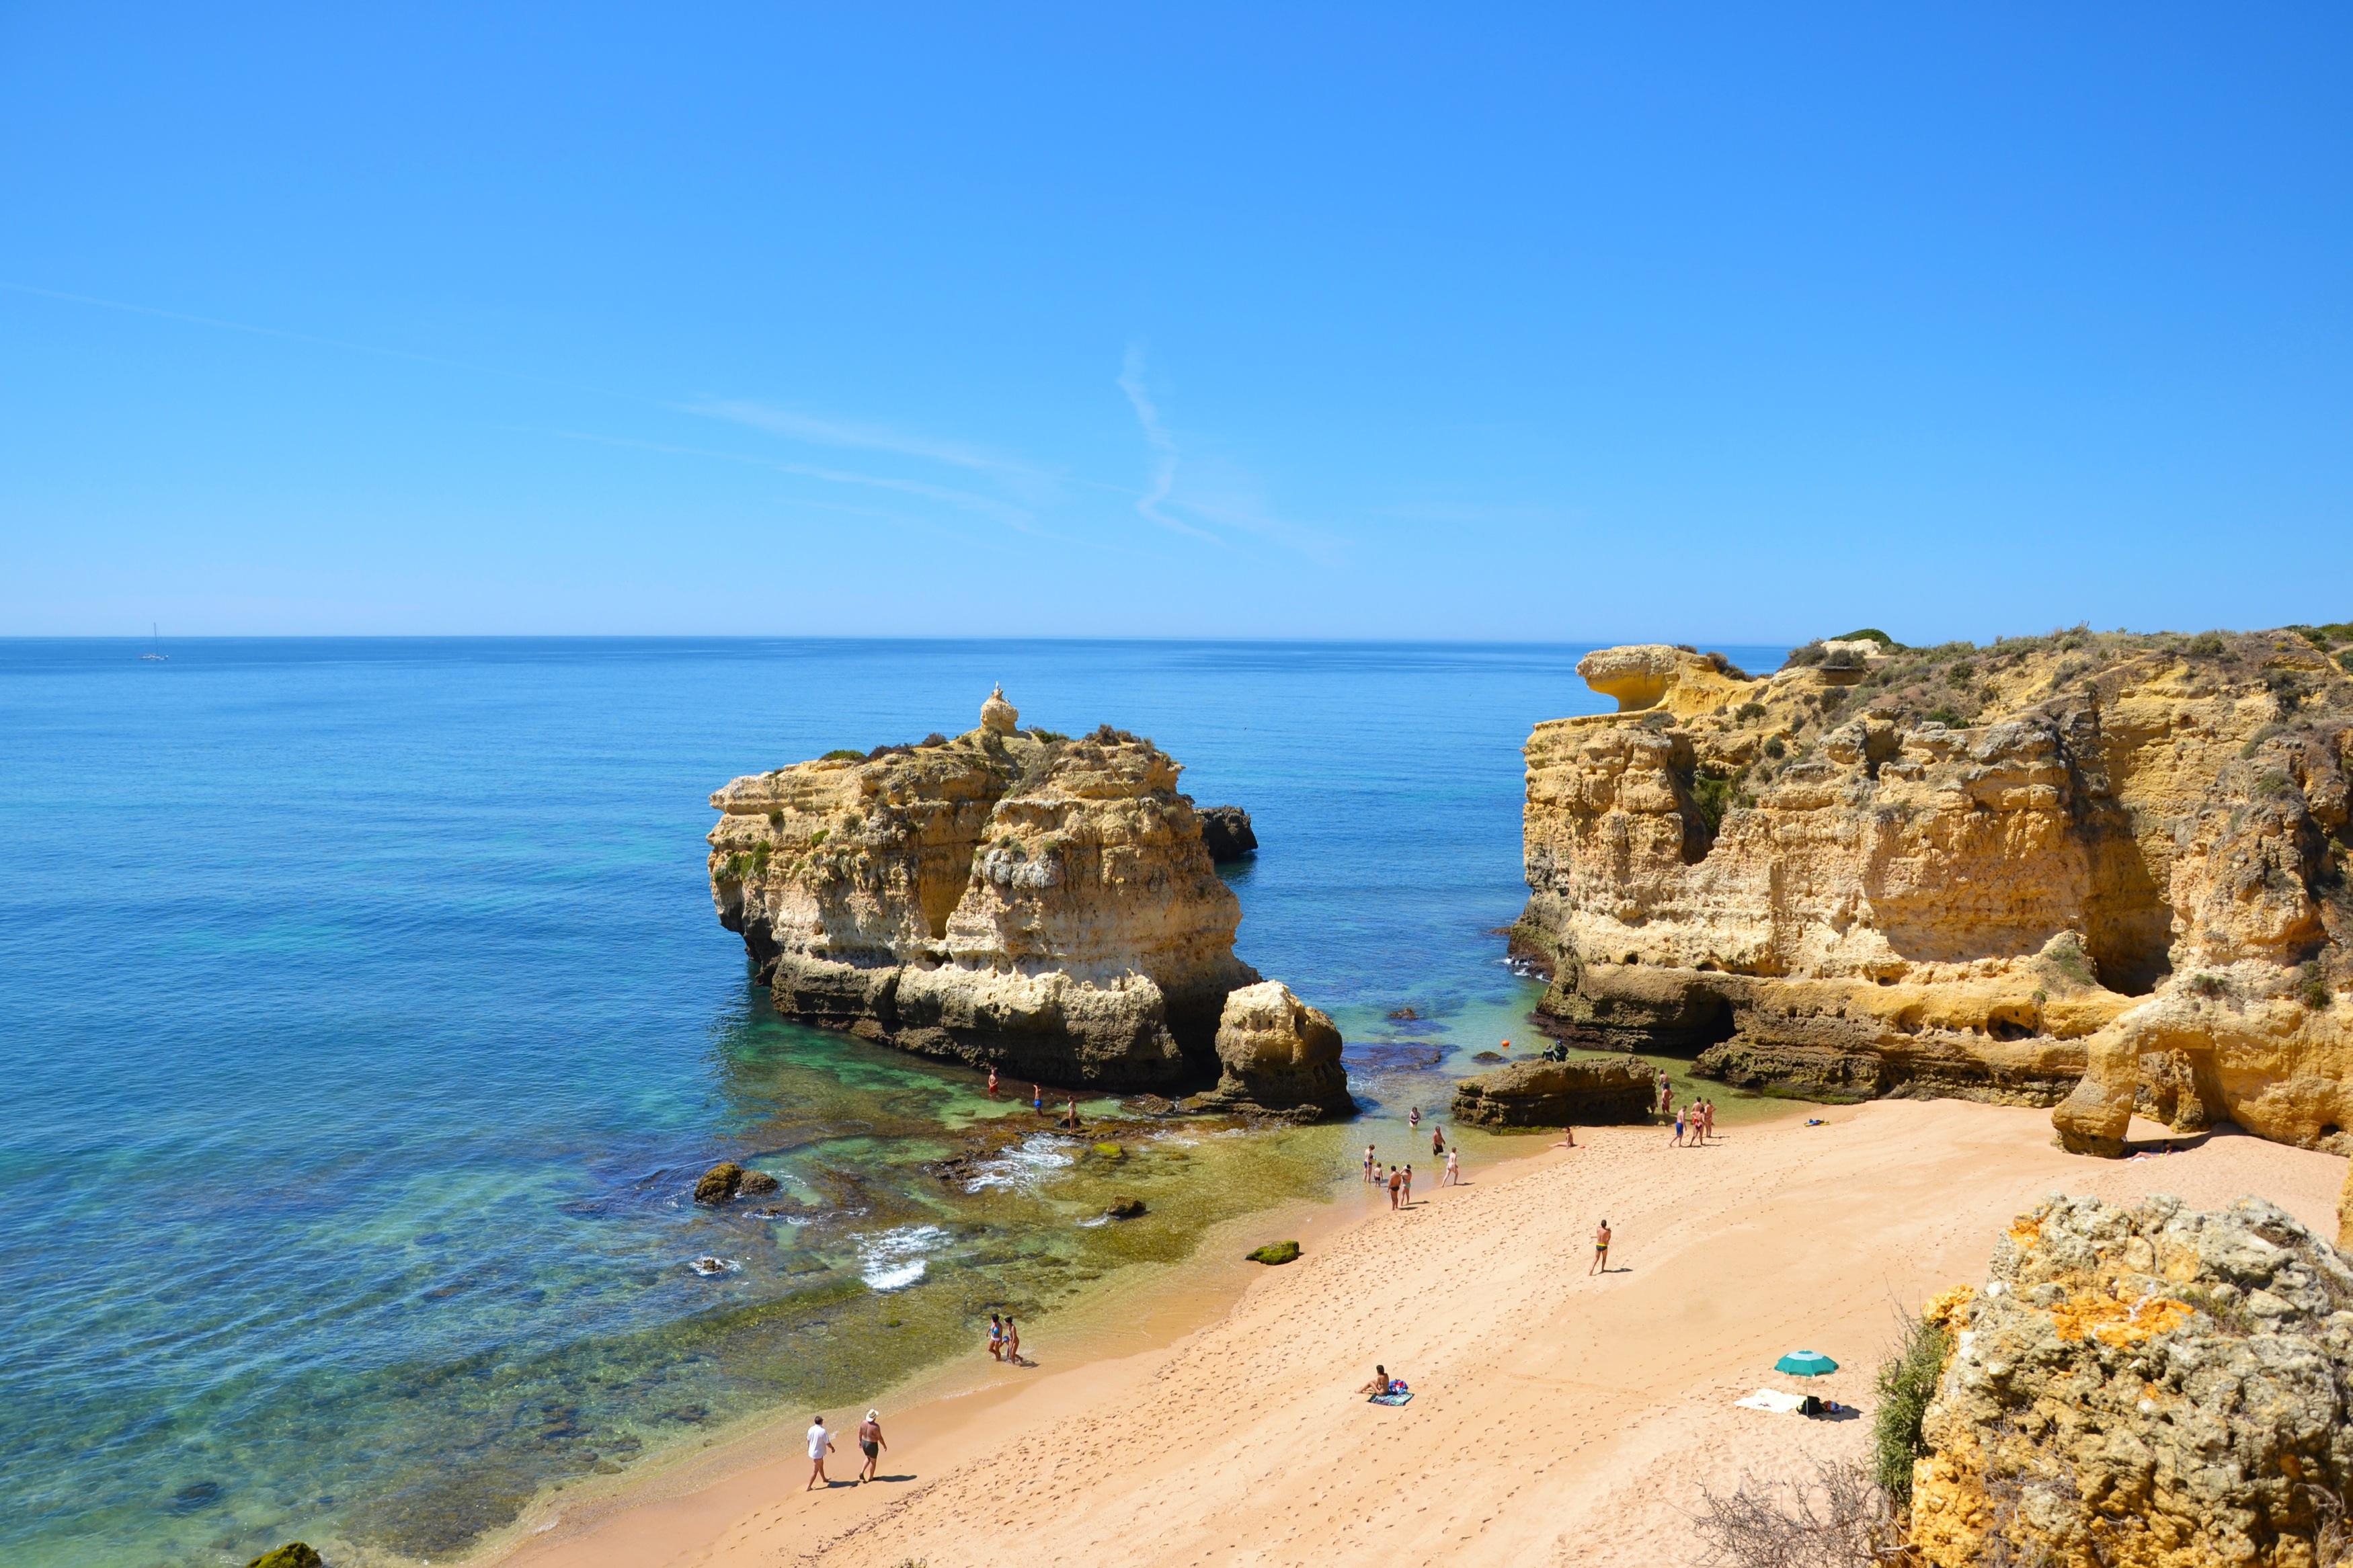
(365, 1022)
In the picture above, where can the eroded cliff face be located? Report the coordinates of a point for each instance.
(1007, 898)
(2100, 869)
(2148, 1386)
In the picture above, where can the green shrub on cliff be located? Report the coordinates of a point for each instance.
(1907, 1382)
(842, 754)
(1715, 793)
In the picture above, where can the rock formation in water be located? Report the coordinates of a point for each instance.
(1585, 1091)
(2097, 868)
(1009, 897)
(1278, 1054)
(2148, 1386)
(1226, 829)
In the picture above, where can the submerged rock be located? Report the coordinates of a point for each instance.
(2148, 1385)
(1279, 1055)
(1587, 1091)
(1226, 830)
(1125, 1209)
(1275, 1252)
(757, 1183)
(720, 1184)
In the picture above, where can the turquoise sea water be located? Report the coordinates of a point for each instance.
(364, 1023)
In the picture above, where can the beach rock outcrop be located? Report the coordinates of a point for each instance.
(1274, 1253)
(2147, 1385)
(1275, 1053)
(1582, 1092)
(2097, 869)
(294, 1554)
(1226, 829)
(1010, 898)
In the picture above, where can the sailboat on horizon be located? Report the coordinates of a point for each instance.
(155, 653)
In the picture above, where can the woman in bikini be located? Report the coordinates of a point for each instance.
(996, 1338)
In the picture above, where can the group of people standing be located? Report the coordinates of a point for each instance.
(1400, 1177)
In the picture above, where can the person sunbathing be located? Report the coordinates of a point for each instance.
(1380, 1384)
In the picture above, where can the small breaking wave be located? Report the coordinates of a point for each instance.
(1021, 1167)
(894, 1259)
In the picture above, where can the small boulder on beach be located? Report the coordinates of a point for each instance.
(1276, 1252)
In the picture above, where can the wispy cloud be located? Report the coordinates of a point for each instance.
(1006, 512)
(1162, 466)
(818, 430)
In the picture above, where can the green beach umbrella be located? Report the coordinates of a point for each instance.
(1805, 1364)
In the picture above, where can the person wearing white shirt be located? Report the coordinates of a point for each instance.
(820, 1444)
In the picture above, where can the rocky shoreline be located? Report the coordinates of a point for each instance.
(2102, 872)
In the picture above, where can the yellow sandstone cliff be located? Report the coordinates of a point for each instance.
(1009, 897)
(2096, 870)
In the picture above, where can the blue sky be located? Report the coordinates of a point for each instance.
(1738, 324)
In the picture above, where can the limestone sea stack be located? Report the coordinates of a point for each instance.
(1007, 898)
(1278, 1054)
(2096, 869)
(1226, 829)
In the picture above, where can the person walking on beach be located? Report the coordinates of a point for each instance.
(870, 1443)
(1600, 1250)
(1013, 1343)
(996, 1338)
(1679, 1131)
(1393, 1187)
(1454, 1169)
(1408, 1187)
(820, 1444)
(1372, 1168)
(1666, 1093)
(1711, 1116)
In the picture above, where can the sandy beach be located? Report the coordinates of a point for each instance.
(1559, 1417)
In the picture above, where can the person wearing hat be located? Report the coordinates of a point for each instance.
(870, 1443)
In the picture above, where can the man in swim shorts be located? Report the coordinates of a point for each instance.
(1600, 1250)
(870, 1443)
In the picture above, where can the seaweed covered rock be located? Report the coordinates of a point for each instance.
(720, 1184)
(1582, 1092)
(294, 1554)
(2147, 1386)
(757, 1183)
(1275, 1252)
(1125, 1208)
(1226, 829)
(1278, 1054)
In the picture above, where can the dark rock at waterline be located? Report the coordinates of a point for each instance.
(1275, 1252)
(1404, 1016)
(1491, 1057)
(720, 1183)
(1226, 832)
(1125, 1209)
(1588, 1091)
(294, 1554)
(757, 1183)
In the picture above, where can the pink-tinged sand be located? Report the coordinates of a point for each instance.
(1558, 1417)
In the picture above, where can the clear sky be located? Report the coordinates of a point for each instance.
(1610, 322)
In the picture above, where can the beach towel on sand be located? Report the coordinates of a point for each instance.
(1771, 1399)
(1398, 1398)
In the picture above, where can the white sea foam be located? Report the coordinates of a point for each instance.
(894, 1259)
(1021, 1167)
